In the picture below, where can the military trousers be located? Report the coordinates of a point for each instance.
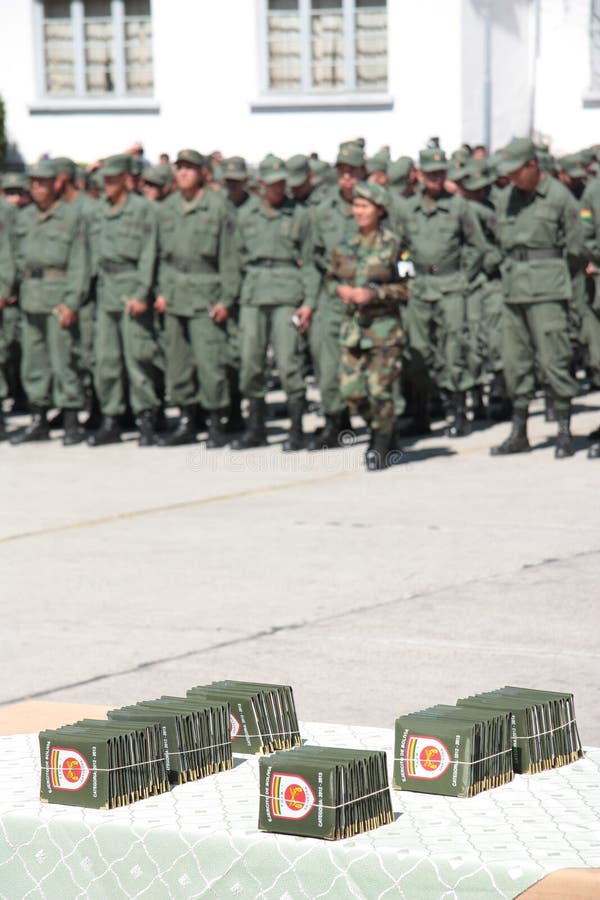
(49, 369)
(590, 332)
(438, 340)
(328, 324)
(492, 305)
(535, 336)
(124, 351)
(367, 378)
(3, 359)
(196, 361)
(87, 324)
(259, 327)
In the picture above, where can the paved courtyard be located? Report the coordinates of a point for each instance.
(130, 573)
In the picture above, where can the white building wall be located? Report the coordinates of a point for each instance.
(563, 75)
(206, 66)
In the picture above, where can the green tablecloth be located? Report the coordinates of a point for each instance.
(202, 839)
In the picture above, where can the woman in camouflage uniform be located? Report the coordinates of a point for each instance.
(363, 272)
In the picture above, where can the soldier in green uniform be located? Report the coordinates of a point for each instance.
(436, 226)
(590, 220)
(156, 182)
(363, 274)
(197, 284)
(123, 236)
(54, 271)
(538, 231)
(332, 222)
(235, 180)
(16, 193)
(7, 280)
(377, 167)
(277, 300)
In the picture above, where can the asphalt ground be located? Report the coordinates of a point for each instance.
(130, 573)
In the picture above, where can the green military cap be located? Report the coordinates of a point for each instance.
(480, 173)
(432, 159)
(65, 166)
(350, 154)
(95, 179)
(399, 171)
(379, 162)
(298, 169)
(460, 155)
(234, 168)
(15, 181)
(374, 193)
(572, 164)
(457, 172)
(192, 157)
(518, 152)
(587, 155)
(118, 164)
(159, 176)
(44, 168)
(272, 169)
(136, 165)
(323, 172)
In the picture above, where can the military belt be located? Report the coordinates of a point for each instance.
(45, 272)
(204, 265)
(114, 267)
(264, 262)
(526, 254)
(436, 269)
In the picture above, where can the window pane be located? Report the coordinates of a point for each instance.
(283, 5)
(283, 35)
(361, 4)
(58, 48)
(327, 50)
(139, 76)
(371, 45)
(319, 5)
(98, 47)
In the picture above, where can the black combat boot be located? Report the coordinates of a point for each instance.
(499, 405)
(549, 412)
(564, 442)
(74, 433)
(594, 448)
(477, 405)
(255, 434)
(327, 438)
(235, 420)
(37, 430)
(379, 455)
(185, 430)
(57, 420)
(108, 433)
(517, 441)
(146, 423)
(295, 439)
(460, 425)
(216, 433)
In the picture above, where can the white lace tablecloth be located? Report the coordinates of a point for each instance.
(202, 839)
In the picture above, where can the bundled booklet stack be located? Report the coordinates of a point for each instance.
(458, 751)
(195, 734)
(102, 764)
(263, 716)
(544, 732)
(324, 792)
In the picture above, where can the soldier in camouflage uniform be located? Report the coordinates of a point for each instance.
(123, 237)
(277, 300)
(363, 275)
(538, 228)
(54, 270)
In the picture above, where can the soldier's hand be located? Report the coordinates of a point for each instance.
(344, 292)
(66, 316)
(304, 316)
(361, 295)
(218, 313)
(12, 300)
(590, 269)
(136, 308)
(160, 304)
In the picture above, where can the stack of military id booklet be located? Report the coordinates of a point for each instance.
(262, 716)
(544, 732)
(458, 751)
(324, 792)
(102, 764)
(194, 734)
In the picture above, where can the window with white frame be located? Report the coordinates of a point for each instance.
(95, 48)
(325, 45)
